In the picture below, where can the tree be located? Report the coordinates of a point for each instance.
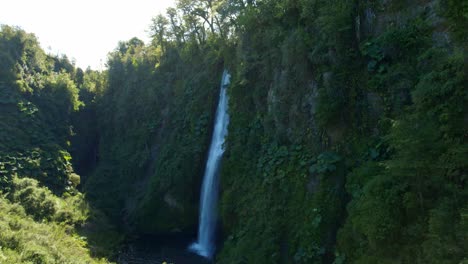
(176, 30)
(159, 30)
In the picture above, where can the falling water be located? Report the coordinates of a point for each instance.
(205, 245)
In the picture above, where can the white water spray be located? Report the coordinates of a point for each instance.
(205, 245)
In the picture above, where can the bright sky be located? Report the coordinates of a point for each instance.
(84, 30)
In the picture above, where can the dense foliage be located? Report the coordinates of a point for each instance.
(347, 136)
(36, 105)
(44, 218)
(154, 132)
(38, 227)
(347, 139)
(347, 103)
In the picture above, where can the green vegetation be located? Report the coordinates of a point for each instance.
(155, 172)
(44, 218)
(347, 136)
(38, 227)
(376, 100)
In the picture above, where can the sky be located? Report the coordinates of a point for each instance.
(84, 30)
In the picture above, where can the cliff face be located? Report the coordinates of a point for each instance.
(345, 115)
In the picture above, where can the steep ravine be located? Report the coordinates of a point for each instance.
(347, 137)
(346, 142)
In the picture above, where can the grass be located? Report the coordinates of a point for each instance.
(46, 235)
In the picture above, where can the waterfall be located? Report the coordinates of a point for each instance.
(205, 245)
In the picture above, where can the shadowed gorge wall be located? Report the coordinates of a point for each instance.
(154, 133)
